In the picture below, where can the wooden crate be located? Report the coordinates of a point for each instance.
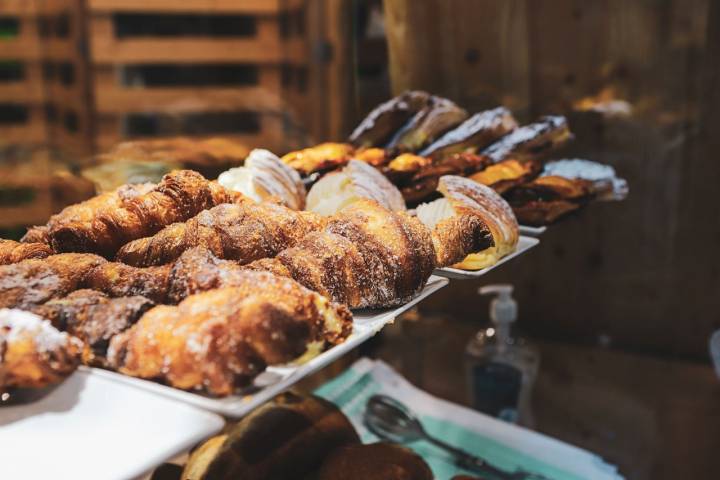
(25, 186)
(151, 57)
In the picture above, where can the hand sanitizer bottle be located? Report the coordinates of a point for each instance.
(501, 368)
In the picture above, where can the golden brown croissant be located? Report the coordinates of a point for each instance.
(119, 280)
(93, 318)
(35, 281)
(367, 257)
(33, 354)
(179, 196)
(222, 338)
(496, 233)
(241, 232)
(13, 252)
(86, 211)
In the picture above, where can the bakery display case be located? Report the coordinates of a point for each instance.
(372, 239)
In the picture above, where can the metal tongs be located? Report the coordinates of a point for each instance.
(391, 420)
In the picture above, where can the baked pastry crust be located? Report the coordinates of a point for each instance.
(13, 252)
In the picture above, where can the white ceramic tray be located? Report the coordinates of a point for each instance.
(532, 231)
(90, 427)
(278, 379)
(524, 244)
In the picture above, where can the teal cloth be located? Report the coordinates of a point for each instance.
(350, 392)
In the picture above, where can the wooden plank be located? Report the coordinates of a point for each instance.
(266, 46)
(18, 7)
(28, 90)
(194, 6)
(26, 46)
(34, 131)
(111, 97)
(271, 134)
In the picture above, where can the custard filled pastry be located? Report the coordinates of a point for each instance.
(265, 177)
(357, 180)
(33, 353)
(507, 174)
(546, 199)
(324, 156)
(463, 200)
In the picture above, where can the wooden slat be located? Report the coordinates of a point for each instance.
(18, 7)
(27, 90)
(25, 46)
(198, 6)
(33, 131)
(110, 97)
(271, 134)
(105, 48)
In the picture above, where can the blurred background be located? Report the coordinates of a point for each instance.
(621, 300)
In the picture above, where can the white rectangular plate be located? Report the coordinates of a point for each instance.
(90, 427)
(532, 231)
(524, 244)
(278, 379)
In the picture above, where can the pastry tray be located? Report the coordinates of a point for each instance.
(90, 427)
(524, 244)
(532, 231)
(275, 380)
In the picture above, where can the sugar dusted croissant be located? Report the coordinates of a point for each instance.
(242, 232)
(179, 196)
(84, 212)
(366, 257)
(457, 239)
(13, 252)
(35, 281)
(264, 176)
(220, 339)
(93, 318)
(119, 280)
(33, 353)
(355, 181)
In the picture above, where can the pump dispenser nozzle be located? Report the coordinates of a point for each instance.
(503, 308)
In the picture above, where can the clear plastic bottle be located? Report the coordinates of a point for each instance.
(501, 367)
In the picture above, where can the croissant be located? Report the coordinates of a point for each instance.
(464, 200)
(119, 280)
(242, 232)
(13, 252)
(220, 339)
(179, 196)
(35, 281)
(33, 353)
(93, 318)
(85, 211)
(366, 257)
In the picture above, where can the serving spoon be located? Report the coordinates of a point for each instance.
(391, 420)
